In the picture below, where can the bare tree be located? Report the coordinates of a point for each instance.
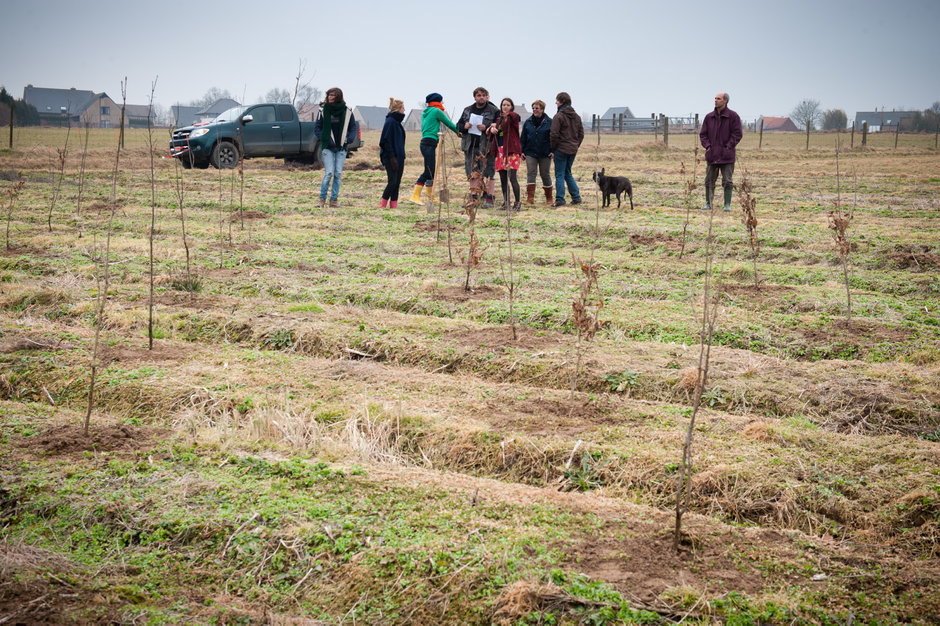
(806, 115)
(834, 119)
(304, 92)
(212, 95)
(278, 95)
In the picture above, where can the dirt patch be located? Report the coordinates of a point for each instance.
(34, 589)
(670, 242)
(546, 416)
(71, 438)
(162, 353)
(643, 567)
(15, 250)
(248, 215)
(432, 226)
(482, 292)
(918, 261)
(760, 290)
(365, 165)
(188, 299)
(32, 342)
(859, 333)
(500, 337)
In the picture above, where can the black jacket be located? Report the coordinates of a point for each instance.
(535, 138)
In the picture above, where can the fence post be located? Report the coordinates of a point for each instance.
(760, 134)
(897, 131)
(655, 127)
(864, 133)
(11, 124)
(665, 130)
(853, 133)
(696, 122)
(936, 135)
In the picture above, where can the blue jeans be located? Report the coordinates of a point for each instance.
(332, 170)
(563, 163)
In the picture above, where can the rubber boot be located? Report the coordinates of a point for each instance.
(728, 191)
(416, 194)
(530, 194)
(383, 203)
(549, 195)
(709, 193)
(393, 204)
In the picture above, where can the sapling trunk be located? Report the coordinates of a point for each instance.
(690, 185)
(709, 316)
(12, 194)
(748, 206)
(62, 153)
(839, 221)
(471, 206)
(153, 213)
(81, 184)
(104, 284)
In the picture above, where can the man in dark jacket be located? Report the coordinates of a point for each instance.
(721, 132)
(566, 136)
(477, 142)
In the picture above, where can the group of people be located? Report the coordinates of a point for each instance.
(492, 142)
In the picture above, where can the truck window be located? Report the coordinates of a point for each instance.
(263, 114)
(285, 113)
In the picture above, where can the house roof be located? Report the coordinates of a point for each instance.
(48, 100)
(881, 118)
(137, 110)
(219, 106)
(413, 120)
(778, 123)
(184, 116)
(615, 111)
(371, 117)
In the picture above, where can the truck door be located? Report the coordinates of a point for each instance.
(290, 128)
(262, 135)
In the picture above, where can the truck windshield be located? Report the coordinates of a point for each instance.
(231, 115)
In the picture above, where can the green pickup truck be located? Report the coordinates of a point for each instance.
(247, 132)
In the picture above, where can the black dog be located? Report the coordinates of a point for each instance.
(613, 185)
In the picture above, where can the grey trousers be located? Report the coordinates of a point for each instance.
(543, 167)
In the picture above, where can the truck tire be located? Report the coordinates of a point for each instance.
(225, 155)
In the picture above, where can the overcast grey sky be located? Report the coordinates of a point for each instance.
(668, 57)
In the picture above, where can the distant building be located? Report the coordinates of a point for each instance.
(215, 109)
(777, 124)
(615, 112)
(184, 115)
(61, 107)
(57, 107)
(885, 120)
(413, 120)
(370, 118)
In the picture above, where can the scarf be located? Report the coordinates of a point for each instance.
(331, 110)
(436, 105)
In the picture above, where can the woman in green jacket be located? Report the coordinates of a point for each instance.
(431, 121)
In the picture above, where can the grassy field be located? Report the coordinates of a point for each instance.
(329, 429)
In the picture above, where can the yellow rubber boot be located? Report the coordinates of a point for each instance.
(416, 194)
(429, 194)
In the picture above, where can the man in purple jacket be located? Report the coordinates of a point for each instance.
(721, 132)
